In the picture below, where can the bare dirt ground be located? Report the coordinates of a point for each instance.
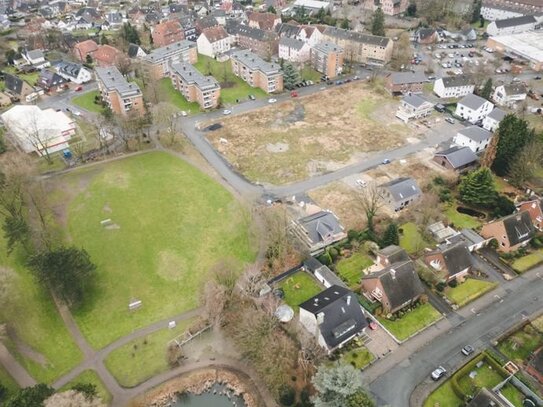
(303, 137)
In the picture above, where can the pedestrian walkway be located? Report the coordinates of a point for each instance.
(15, 369)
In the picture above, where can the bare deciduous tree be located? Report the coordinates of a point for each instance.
(174, 354)
(213, 300)
(251, 281)
(37, 137)
(370, 199)
(164, 115)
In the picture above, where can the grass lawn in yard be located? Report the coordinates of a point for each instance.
(358, 358)
(8, 382)
(512, 394)
(169, 94)
(91, 377)
(170, 224)
(350, 269)
(307, 73)
(461, 220)
(444, 396)
(486, 377)
(232, 87)
(529, 261)
(468, 291)
(86, 101)
(521, 344)
(298, 288)
(411, 239)
(412, 321)
(31, 314)
(31, 77)
(144, 357)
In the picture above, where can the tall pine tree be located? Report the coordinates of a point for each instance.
(378, 23)
(477, 188)
(391, 236)
(290, 75)
(487, 89)
(513, 134)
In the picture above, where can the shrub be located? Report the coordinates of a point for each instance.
(445, 195)
(353, 234)
(333, 252)
(325, 259)
(453, 283)
(305, 398)
(439, 180)
(441, 286)
(287, 396)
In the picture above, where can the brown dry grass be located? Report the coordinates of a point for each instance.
(331, 127)
(341, 199)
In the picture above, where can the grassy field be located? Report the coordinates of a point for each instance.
(33, 317)
(232, 87)
(512, 394)
(298, 288)
(529, 261)
(411, 239)
(521, 344)
(358, 358)
(350, 269)
(307, 73)
(486, 377)
(143, 358)
(168, 93)
(468, 291)
(86, 101)
(31, 78)
(411, 322)
(7, 381)
(90, 376)
(444, 396)
(460, 220)
(170, 225)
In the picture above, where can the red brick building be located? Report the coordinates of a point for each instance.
(167, 33)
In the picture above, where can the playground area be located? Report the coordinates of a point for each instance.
(299, 287)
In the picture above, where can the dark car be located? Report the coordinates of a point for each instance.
(439, 107)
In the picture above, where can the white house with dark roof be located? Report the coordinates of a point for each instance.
(36, 58)
(334, 317)
(214, 41)
(453, 86)
(513, 25)
(506, 95)
(414, 107)
(474, 137)
(400, 192)
(73, 72)
(473, 108)
(293, 50)
(318, 230)
(493, 119)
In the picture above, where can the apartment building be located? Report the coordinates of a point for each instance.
(157, 64)
(257, 72)
(264, 43)
(121, 96)
(167, 33)
(327, 58)
(194, 86)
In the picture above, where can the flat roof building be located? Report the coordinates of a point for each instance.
(157, 63)
(527, 45)
(194, 86)
(257, 72)
(120, 95)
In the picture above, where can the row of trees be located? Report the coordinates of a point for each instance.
(41, 395)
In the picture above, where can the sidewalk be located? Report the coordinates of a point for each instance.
(15, 369)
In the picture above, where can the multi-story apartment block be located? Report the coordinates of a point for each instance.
(327, 58)
(263, 43)
(389, 7)
(121, 96)
(157, 64)
(257, 72)
(194, 86)
(360, 47)
(167, 33)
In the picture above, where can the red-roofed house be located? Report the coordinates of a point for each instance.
(534, 208)
(213, 41)
(167, 33)
(106, 55)
(84, 48)
(264, 21)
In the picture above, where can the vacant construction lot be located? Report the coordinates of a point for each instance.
(302, 137)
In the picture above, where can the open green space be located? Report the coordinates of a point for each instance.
(468, 291)
(411, 239)
(144, 357)
(529, 261)
(298, 288)
(412, 322)
(31, 314)
(444, 396)
(307, 73)
(513, 394)
(86, 101)
(232, 87)
(169, 225)
(91, 377)
(519, 346)
(358, 358)
(31, 77)
(461, 220)
(8, 382)
(485, 376)
(170, 95)
(350, 269)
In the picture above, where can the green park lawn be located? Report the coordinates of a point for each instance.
(7, 381)
(411, 239)
(444, 396)
(31, 313)
(468, 291)
(144, 357)
(529, 261)
(358, 358)
(460, 220)
(519, 346)
(91, 377)
(171, 225)
(298, 288)
(412, 322)
(350, 269)
(232, 87)
(170, 95)
(86, 101)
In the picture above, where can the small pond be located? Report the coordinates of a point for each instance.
(471, 212)
(217, 396)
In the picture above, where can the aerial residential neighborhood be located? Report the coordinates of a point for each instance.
(280, 203)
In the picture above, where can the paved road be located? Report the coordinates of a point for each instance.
(476, 324)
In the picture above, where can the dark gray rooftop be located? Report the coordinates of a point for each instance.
(402, 188)
(327, 47)
(497, 114)
(415, 100)
(519, 227)
(399, 78)
(458, 156)
(164, 52)
(456, 81)
(191, 75)
(475, 133)
(254, 62)
(291, 43)
(112, 79)
(472, 101)
(357, 37)
(457, 257)
(394, 254)
(512, 22)
(320, 226)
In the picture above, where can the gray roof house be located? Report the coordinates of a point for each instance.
(334, 316)
(474, 137)
(391, 254)
(322, 273)
(318, 230)
(456, 158)
(493, 119)
(400, 192)
(454, 260)
(511, 232)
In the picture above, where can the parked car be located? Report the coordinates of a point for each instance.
(467, 350)
(537, 78)
(226, 112)
(371, 324)
(79, 89)
(439, 107)
(183, 113)
(386, 161)
(272, 100)
(450, 120)
(293, 94)
(252, 97)
(361, 183)
(438, 373)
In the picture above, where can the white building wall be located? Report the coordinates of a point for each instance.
(474, 146)
(492, 29)
(451, 92)
(493, 14)
(473, 116)
(490, 124)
